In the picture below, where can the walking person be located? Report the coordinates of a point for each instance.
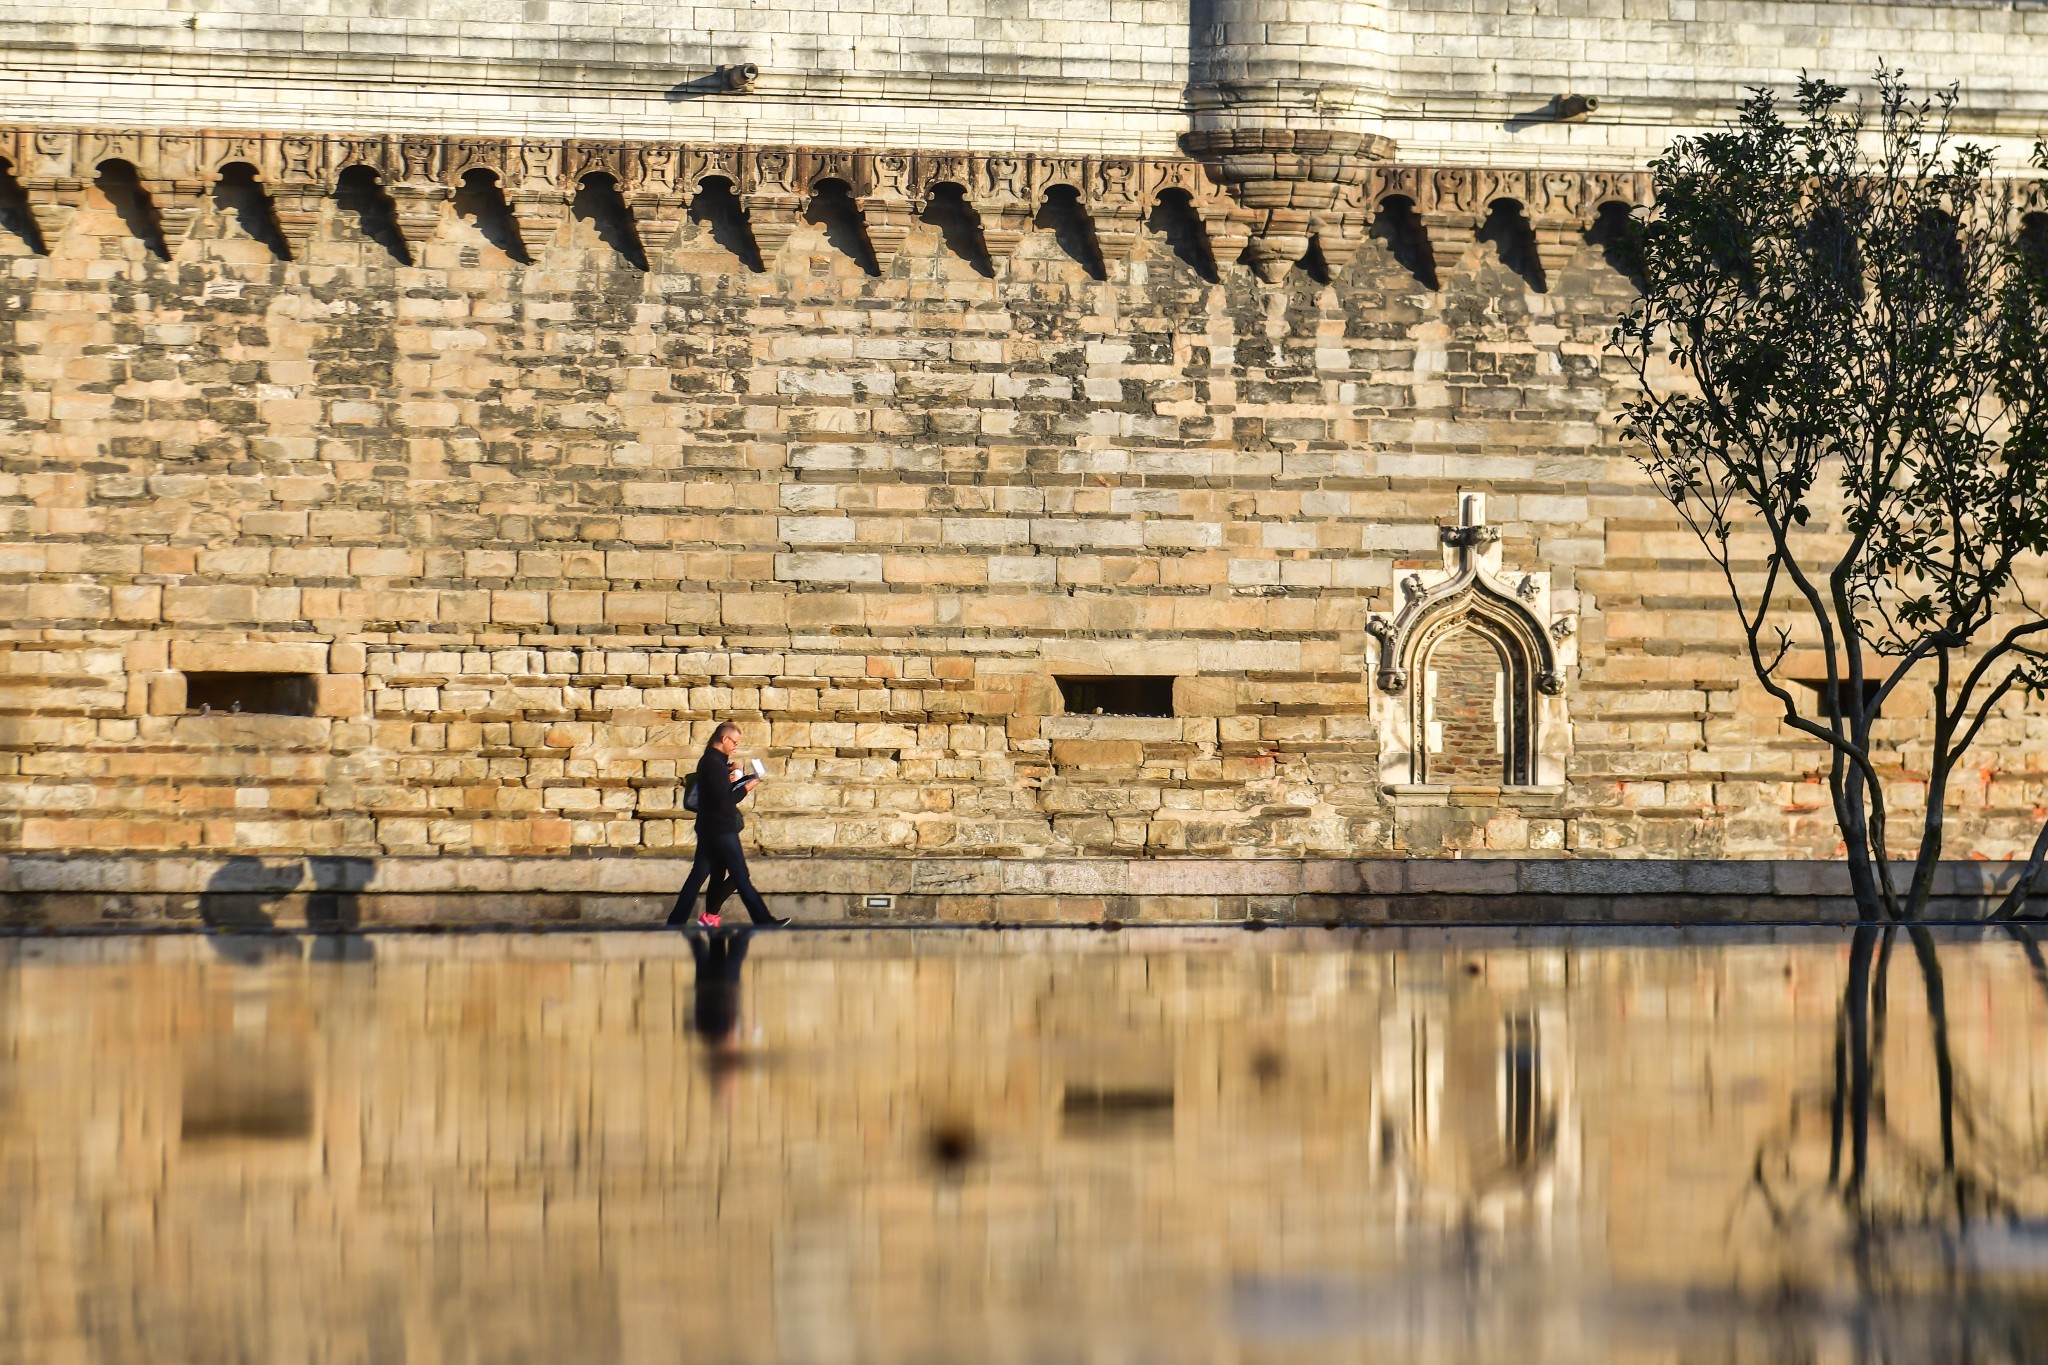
(720, 860)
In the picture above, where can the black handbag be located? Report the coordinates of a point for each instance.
(690, 792)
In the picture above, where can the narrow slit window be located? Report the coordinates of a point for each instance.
(1829, 696)
(260, 694)
(1136, 695)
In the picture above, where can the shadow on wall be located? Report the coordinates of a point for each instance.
(240, 898)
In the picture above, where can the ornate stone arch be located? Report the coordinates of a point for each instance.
(1515, 616)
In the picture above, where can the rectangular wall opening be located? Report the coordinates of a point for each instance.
(1089, 1111)
(1132, 695)
(1829, 697)
(260, 694)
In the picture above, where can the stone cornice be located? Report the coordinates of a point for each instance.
(658, 178)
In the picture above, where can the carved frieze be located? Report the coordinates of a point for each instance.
(1264, 200)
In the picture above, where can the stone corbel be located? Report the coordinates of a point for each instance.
(653, 193)
(1341, 231)
(1559, 215)
(47, 166)
(1115, 209)
(177, 204)
(418, 209)
(658, 216)
(298, 185)
(888, 209)
(539, 194)
(419, 197)
(1290, 180)
(298, 209)
(541, 211)
(1453, 217)
(1003, 199)
(1229, 230)
(768, 194)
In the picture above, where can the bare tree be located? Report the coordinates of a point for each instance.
(1856, 312)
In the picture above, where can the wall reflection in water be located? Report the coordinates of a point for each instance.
(1149, 1146)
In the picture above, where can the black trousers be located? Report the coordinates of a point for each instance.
(723, 863)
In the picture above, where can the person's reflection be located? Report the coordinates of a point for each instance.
(720, 954)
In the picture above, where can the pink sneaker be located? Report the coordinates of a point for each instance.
(708, 920)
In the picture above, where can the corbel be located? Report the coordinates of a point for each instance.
(174, 171)
(769, 195)
(1279, 238)
(1003, 200)
(888, 208)
(1452, 215)
(538, 195)
(1560, 211)
(654, 194)
(49, 170)
(299, 190)
(1115, 207)
(1341, 231)
(418, 193)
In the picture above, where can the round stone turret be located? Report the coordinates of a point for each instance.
(1285, 102)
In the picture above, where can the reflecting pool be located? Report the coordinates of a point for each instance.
(931, 1146)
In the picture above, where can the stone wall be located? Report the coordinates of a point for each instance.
(1464, 83)
(532, 518)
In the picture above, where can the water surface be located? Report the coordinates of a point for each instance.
(1155, 1145)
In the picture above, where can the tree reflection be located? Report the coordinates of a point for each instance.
(1926, 1200)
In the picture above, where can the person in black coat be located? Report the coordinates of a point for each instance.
(720, 859)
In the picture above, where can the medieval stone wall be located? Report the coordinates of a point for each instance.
(419, 424)
(532, 518)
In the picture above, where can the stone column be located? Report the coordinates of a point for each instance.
(1286, 99)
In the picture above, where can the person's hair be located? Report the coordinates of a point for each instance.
(725, 727)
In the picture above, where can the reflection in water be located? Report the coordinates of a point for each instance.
(1151, 1146)
(241, 897)
(720, 954)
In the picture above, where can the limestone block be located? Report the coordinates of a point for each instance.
(1097, 753)
(1203, 696)
(338, 696)
(241, 656)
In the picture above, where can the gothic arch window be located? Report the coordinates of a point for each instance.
(1471, 670)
